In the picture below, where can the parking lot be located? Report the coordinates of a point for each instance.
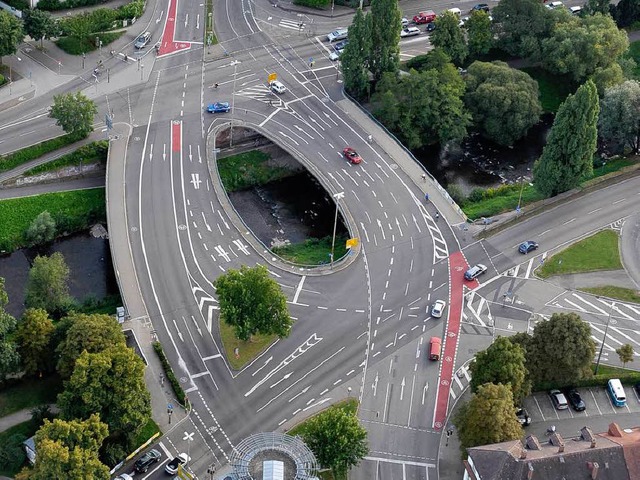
(596, 399)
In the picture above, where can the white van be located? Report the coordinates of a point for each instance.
(616, 392)
(338, 34)
(455, 11)
(575, 10)
(554, 5)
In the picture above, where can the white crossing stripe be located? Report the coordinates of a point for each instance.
(290, 24)
(241, 246)
(222, 253)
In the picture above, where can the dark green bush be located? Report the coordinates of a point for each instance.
(15, 159)
(313, 3)
(456, 194)
(175, 384)
(76, 46)
(86, 154)
(476, 195)
(53, 5)
(629, 379)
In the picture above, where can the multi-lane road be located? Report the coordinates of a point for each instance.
(362, 330)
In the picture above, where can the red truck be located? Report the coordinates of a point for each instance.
(427, 16)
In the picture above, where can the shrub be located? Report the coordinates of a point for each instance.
(175, 384)
(313, 3)
(131, 10)
(17, 158)
(456, 194)
(2, 80)
(89, 153)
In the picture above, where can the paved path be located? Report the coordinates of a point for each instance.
(61, 186)
(19, 417)
(617, 278)
(629, 248)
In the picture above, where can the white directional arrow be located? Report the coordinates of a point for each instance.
(164, 152)
(402, 389)
(282, 379)
(198, 22)
(302, 392)
(190, 155)
(424, 392)
(320, 402)
(151, 152)
(374, 385)
(196, 324)
(179, 333)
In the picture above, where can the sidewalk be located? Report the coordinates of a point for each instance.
(450, 466)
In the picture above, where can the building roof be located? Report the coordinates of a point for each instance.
(614, 455)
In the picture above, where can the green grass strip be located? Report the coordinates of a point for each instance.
(29, 393)
(24, 155)
(93, 152)
(621, 293)
(247, 351)
(597, 252)
(313, 251)
(248, 169)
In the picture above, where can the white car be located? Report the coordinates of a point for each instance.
(173, 465)
(333, 56)
(438, 308)
(409, 32)
(405, 22)
(277, 87)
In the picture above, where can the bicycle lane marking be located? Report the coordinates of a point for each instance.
(168, 44)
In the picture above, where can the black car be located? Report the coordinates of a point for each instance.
(340, 45)
(523, 416)
(575, 400)
(480, 7)
(146, 460)
(636, 387)
(430, 27)
(528, 246)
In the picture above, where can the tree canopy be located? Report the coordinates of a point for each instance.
(42, 229)
(625, 352)
(337, 439)
(47, 286)
(354, 58)
(385, 37)
(74, 113)
(449, 37)
(568, 155)
(619, 122)
(90, 333)
(503, 362)
(489, 417)
(33, 337)
(11, 33)
(39, 24)
(9, 357)
(561, 350)
(503, 101)
(479, 33)
(252, 302)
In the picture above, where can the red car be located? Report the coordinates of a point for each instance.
(424, 17)
(351, 155)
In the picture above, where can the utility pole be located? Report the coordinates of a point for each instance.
(337, 196)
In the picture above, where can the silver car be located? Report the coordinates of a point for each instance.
(142, 40)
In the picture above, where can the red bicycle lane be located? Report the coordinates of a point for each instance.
(168, 43)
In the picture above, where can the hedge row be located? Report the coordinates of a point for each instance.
(630, 378)
(175, 384)
(24, 155)
(86, 154)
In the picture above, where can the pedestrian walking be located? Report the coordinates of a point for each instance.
(424, 177)
(215, 85)
(370, 138)
(125, 58)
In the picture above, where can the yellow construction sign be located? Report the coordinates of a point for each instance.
(183, 474)
(272, 77)
(352, 242)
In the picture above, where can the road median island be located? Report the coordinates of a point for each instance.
(168, 371)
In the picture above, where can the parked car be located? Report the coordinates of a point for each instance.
(475, 271)
(554, 5)
(575, 10)
(338, 34)
(404, 22)
(575, 400)
(430, 27)
(146, 460)
(333, 56)
(558, 399)
(219, 107)
(438, 308)
(172, 466)
(124, 476)
(636, 387)
(480, 7)
(142, 40)
(340, 45)
(351, 155)
(523, 417)
(528, 246)
(277, 87)
(424, 17)
(409, 32)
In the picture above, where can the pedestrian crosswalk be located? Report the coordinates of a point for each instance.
(260, 93)
(291, 24)
(476, 310)
(526, 269)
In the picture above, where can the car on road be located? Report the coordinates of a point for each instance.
(528, 246)
(475, 271)
(333, 56)
(575, 400)
(219, 107)
(142, 40)
(558, 399)
(424, 17)
(124, 476)
(480, 7)
(435, 346)
(146, 460)
(438, 308)
(340, 45)
(409, 32)
(523, 416)
(430, 27)
(338, 34)
(351, 155)
(172, 466)
(277, 87)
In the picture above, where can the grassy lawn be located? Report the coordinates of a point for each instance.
(634, 52)
(77, 46)
(612, 166)
(609, 371)
(245, 170)
(73, 211)
(498, 204)
(94, 152)
(597, 252)
(553, 88)
(626, 294)
(106, 305)
(148, 431)
(313, 251)
(24, 155)
(29, 393)
(247, 350)
(13, 437)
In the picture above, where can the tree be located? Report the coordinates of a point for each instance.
(385, 37)
(39, 24)
(581, 45)
(43, 228)
(503, 362)
(355, 71)
(251, 302)
(626, 12)
(47, 286)
(489, 417)
(9, 357)
(625, 352)
(596, 6)
(69, 450)
(561, 350)
(449, 37)
(74, 113)
(479, 34)
(337, 439)
(78, 26)
(33, 337)
(619, 122)
(90, 333)
(10, 33)
(111, 384)
(568, 155)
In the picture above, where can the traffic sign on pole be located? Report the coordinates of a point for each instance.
(272, 77)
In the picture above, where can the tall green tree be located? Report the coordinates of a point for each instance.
(33, 337)
(11, 33)
(625, 353)
(90, 333)
(596, 6)
(568, 155)
(385, 37)
(479, 33)
(78, 26)
(489, 417)
(561, 350)
(9, 357)
(503, 101)
(626, 12)
(355, 67)
(42, 229)
(337, 439)
(252, 302)
(111, 384)
(619, 121)
(74, 113)
(503, 362)
(449, 37)
(48, 285)
(68, 450)
(39, 24)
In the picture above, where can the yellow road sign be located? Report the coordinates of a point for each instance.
(352, 242)
(272, 77)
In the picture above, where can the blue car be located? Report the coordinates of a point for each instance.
(527, 247)
(219, 107)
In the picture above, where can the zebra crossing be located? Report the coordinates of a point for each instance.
(525, 270)
(291, 25)
(260, 93)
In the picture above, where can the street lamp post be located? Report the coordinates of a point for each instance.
(520, 196)
(11, 73)
(233, 100)
(337, 196)
(604, 338)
